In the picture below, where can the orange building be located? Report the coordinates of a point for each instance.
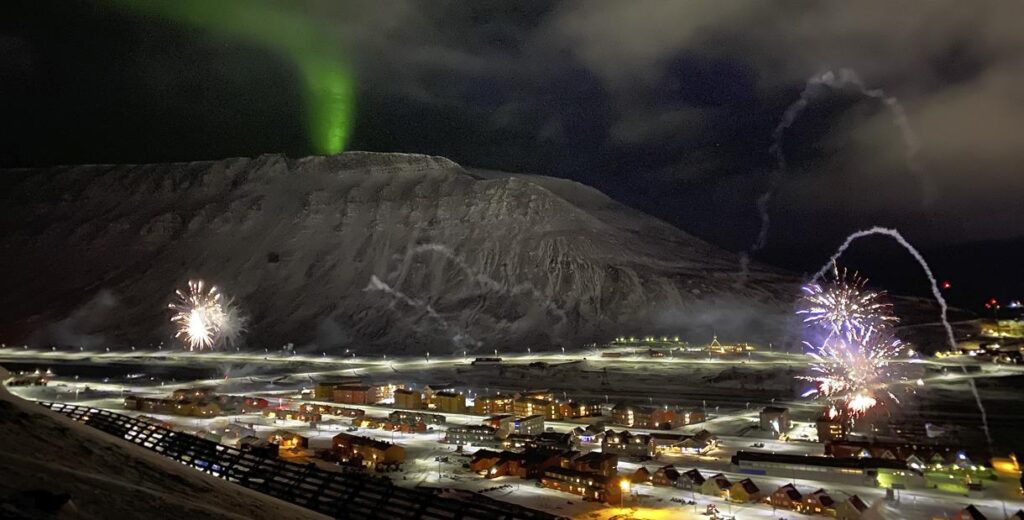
(449, 402)
(494, 404)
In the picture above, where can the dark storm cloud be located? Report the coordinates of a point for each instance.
(688, 93)
(667, 106)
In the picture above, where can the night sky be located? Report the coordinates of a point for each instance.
(668, 107)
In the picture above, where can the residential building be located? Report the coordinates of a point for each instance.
(449, 402)
(526, 406)
(542, 394)
(234, 432)
(383, 392)
(530, 425)
(351, 394)
(368, 422)
(472, 436)
(595, 462)
(493, 464)
(691, 480)
(503, 424)
(536, 461)
(373, 453)
(679, 443)
(627, 444)
(517, 442)
(716, 486)
(665, 476)
(258, 447)
(906, 451)
(641, 476)
(408, 399)
(819, 503)
(191, 408)
(494, 404)
(315, 408)
(853, 508)
(592, 433)
(861, 471)
(412, 417)
(433, 388)
(554, 440)
(667, 418)
(288, 440)
(324, 390)
(745, 491)
(405, 426)
(786, 497)
(279, 414)
(578, 409)
(590, 485)
(632, 416)
(775, 420)
(718, 348)
(347, 412)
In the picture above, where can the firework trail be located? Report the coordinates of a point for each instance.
(895, 235)
(459, 339)
(487, 281)
(842, 79)
(844, 306)
(204, 318)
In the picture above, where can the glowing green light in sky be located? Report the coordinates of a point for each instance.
(327, 77)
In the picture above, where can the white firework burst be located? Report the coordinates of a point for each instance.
(203, 318)
(844, 307)
(853, 371)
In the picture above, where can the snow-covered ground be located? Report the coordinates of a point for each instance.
(110, 478)
(732, 400)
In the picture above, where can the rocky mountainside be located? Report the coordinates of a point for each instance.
(400, 252)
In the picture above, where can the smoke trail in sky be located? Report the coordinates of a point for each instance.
(842, 79)
(327, 78)
(895, 235)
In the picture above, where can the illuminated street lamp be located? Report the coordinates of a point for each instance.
(624, 486)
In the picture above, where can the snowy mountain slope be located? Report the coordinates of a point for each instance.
(403, 252)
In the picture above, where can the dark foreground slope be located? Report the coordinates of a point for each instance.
(404, 252)
(98, 476)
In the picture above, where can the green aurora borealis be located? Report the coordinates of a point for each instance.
(328, 82)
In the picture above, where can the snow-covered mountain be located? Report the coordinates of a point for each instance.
(400, 252)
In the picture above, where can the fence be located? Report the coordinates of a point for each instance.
(341, 495)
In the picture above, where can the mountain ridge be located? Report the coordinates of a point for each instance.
(472, 258)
